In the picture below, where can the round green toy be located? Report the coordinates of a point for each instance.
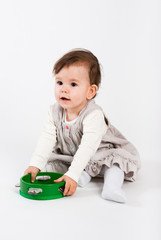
(43, 188)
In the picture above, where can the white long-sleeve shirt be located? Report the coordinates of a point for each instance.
(94, 128)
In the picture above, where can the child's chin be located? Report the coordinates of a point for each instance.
(65, 105)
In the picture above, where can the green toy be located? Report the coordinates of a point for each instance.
(43, 188)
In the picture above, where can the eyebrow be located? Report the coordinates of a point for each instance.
(75, 80)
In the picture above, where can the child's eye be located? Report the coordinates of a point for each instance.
(59, 82)
(73, 84)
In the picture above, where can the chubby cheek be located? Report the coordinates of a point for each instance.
(77, 97)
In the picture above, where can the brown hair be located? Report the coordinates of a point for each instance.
(81, 56)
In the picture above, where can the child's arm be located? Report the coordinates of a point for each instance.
(94, 128)
(44, 147)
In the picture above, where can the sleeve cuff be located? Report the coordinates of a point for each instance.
(72, 175)
(38, 164)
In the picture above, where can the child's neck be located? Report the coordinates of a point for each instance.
(71, 116)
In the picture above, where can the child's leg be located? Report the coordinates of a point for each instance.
(84, 179)
(112, 188)
(56, 166)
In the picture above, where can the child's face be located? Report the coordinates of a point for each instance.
(73, 89)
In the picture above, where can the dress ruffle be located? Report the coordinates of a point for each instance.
(126, 161)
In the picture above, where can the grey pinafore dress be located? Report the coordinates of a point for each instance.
(113, 149)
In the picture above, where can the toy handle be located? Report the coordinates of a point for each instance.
(61, 189)
(34, 191)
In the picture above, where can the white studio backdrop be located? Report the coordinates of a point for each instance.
(126, 38)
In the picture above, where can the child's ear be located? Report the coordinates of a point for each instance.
(92, 91)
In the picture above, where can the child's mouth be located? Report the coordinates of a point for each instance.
(65, 99)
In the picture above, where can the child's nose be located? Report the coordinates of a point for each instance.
(65, 89)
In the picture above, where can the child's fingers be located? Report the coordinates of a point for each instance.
(66, 190)
(61, 179)
(33, 176)
(71, 191)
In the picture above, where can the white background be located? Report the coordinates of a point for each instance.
(126, 38)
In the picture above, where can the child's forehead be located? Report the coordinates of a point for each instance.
(74, 69)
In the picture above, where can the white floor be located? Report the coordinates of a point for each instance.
(85, 215)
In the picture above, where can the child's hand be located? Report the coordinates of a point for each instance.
(33, 171)
(70, 186)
